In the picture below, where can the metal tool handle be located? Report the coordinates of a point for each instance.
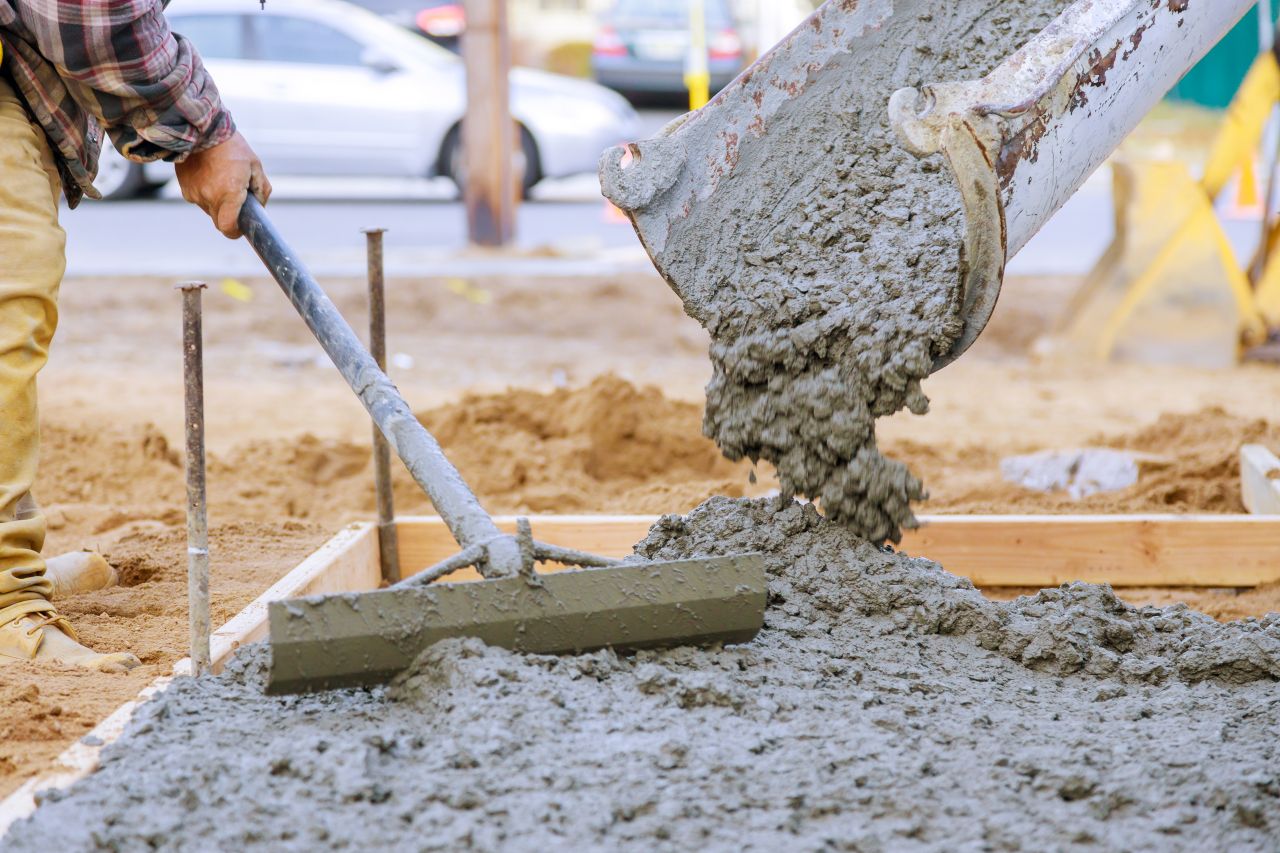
(410, 440)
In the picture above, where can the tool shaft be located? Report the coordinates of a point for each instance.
(416, 447)
(197, 512)
(388, 541)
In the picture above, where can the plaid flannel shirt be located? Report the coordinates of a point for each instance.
(85, 64)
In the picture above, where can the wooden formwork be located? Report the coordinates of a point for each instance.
(992, 550)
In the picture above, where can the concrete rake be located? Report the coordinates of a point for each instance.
(353, 639)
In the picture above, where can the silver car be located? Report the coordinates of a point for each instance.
(323, 87)
(641, 46)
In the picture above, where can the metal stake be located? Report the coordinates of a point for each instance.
(197, 518)
(388, 542)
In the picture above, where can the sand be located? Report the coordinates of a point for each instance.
(608, 447)
(826, 264)
(885, 706)
(117, 362)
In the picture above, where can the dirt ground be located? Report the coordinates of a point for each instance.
(289, 445)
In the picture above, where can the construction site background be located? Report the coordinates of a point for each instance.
(557, 34)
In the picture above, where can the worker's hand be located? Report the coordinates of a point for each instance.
(218, 180)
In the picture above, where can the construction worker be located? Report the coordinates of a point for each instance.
(68, 69)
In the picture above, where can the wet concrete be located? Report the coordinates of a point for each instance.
(885, 706)
(826, 264)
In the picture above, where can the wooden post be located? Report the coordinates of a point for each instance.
(488, 131)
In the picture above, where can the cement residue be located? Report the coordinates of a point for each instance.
(827, 268)
(885, 706)
(1188, 463)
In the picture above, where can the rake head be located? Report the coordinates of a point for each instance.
(362, 639)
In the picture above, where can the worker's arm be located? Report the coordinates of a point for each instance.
(149, 89)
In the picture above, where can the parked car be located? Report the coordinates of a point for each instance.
(323, 87)
(641, 46)
(442, 21)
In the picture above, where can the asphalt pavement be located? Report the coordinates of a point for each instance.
(425, 237)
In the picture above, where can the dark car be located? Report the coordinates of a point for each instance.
(641, 46)
(442, 21)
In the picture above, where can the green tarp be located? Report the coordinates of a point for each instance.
(1213, 82)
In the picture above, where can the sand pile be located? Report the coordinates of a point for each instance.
(895, 707)
(1201, 466)
(608, 447)
(826, 266)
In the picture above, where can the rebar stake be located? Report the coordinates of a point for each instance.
(388, 541)
(197, 516)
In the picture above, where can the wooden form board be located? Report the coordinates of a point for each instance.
(1260, 480)
(348, 561)
(991, 550)
(1124, 551)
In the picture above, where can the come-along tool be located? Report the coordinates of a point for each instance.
(326, 641)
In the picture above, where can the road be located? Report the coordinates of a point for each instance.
(564, 231)
(426, 233)
(172, 238)
(565, 226)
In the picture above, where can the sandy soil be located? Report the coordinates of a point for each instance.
(289, 446)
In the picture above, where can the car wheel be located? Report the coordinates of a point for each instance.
(526, 160)
(119, 178)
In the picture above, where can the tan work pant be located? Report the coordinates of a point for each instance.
(32, 261)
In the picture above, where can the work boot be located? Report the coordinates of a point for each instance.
(77, 572)
(47, 637)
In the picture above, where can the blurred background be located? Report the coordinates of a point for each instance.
(364, 99)
(357, 108)
(305, 78)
